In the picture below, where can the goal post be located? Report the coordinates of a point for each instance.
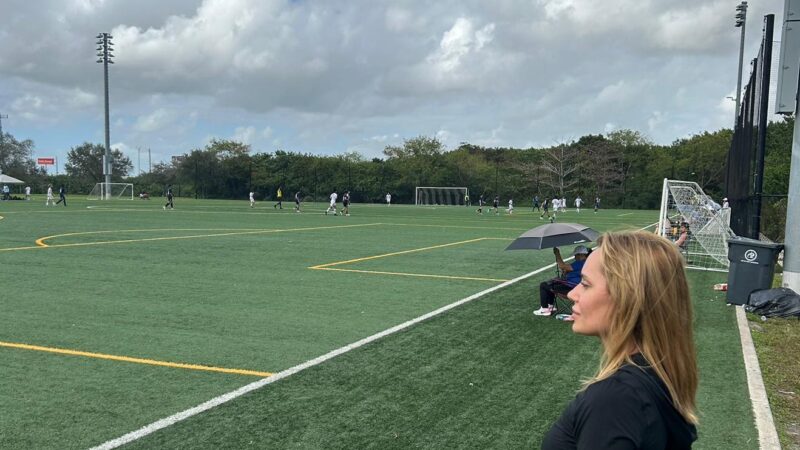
(685, 203)
(111, 191)
(441, 196)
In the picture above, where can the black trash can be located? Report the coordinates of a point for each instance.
(752, 267)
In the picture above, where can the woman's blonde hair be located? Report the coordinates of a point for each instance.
(652, 310)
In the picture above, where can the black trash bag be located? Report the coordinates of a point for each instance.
(780, 302)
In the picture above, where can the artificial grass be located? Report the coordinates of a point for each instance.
(248, 300)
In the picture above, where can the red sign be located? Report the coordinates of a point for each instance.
(45, 161)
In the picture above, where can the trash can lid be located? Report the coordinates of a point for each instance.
(738, 240)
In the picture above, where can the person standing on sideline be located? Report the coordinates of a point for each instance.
(510, 209)
(578, 202)
(62, 195)
(535, 203)
(596, 204)
(346, 204)
(27, 192)
(332, 206)
(634, 297)
(297, 202)
(169, 203)
(481, 202)
(725, 203)
(388, 199)
(50, 196)
(6, 192)
(279, 204)
(252, 199)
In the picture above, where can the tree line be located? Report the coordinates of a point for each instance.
(623, 168)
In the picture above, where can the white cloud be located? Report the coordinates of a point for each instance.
(244, 135)
(155, 121)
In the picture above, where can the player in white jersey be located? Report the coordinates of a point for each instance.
(332, 206)
(50, 196)
(510, 209)
(388, 199)
(563, 204)
(27, 192)
(578, 202)
(252, 199)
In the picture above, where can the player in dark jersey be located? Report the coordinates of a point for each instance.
(346, 203)
(169, 198)
(481, 202)
(546, 209)
(297, 201)
(496, 204)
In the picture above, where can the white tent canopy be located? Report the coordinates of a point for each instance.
(5, 179)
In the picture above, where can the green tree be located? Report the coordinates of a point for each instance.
(86, 162)
(16, 158)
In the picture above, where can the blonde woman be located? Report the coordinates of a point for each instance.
(633, 295)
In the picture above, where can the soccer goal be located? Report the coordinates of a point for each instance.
(112, 191)
(440, 196)
(684, 202)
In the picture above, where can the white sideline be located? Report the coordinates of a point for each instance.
(205, 406)
(767, 434)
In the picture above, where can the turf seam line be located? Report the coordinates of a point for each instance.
(767, 434)
(214, 402)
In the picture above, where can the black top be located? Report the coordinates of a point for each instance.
(631, 409)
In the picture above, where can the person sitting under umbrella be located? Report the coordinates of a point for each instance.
(572, 276)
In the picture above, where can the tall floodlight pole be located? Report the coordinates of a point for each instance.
(104, 55)
(741, 21)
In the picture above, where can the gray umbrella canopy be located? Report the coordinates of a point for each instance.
(553, 235)
(5, 179)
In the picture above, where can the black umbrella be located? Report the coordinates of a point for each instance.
(553, 235)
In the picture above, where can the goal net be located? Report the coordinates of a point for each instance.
(111, 191)
(442, 196)
(685, 203)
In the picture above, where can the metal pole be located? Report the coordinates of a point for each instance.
(761, 138)
(741, 22)
(149, 161)
(108, 129)
(791, 253)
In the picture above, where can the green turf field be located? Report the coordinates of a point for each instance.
(120, 313)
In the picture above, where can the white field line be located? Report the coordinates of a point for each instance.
(625, 214)
(224, 398)
(767, 434)
(205, 406)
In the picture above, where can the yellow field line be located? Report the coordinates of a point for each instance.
(451, 277)
(367, 258)
(122, 241)
(150, 362)
(40, 241)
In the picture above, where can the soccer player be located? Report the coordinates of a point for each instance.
(27, 192)
(563, 204)
(466, 199)
(480, 205)
(332, 206)
(535, 203)
(510, 209)
(280, 199)
(578, 202)
(545, 208)
(62, 195)
(169, 203)
(252, 199)
(50, 196)
(346, 204)
(596, 204)
(297, 201)
(388, 199)
(496, 204)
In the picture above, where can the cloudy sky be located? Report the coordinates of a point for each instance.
(328, 77)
